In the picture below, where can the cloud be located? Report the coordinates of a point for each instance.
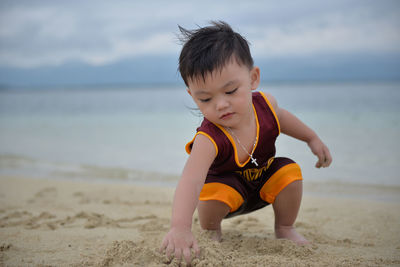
(354, 31)
(100, 34)
(51, 33)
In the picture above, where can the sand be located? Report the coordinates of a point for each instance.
(65, 223)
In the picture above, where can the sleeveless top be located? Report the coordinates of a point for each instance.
(226, 160)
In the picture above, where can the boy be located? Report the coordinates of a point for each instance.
(231, 169)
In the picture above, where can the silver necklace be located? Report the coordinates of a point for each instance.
(253, 160)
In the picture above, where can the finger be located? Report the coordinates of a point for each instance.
(321, 159)
(170, 249)
(164, 244)
(178, 254)
(324, 159)
(196, 249)
(328, 157)
(325, 163)
(187, 256)
(318, 164)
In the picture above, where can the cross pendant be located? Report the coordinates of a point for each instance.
(253, 160)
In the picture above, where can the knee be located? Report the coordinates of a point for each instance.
(211, 213)
(287, 178)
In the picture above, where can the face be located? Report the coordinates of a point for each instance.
(224, 97)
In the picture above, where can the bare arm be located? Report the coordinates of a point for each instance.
(294, 127)
(179, 240)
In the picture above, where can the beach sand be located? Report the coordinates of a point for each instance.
(66, 223)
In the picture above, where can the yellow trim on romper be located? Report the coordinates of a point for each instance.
(279, 180)
(188, 148)
(223, 193)
(233, 142)
(273, 111)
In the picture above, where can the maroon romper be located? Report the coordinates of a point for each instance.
(245, 187)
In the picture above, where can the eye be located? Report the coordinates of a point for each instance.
(205, 100)
(231, 92)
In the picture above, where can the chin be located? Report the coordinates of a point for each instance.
(229, 124)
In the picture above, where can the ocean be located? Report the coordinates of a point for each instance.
(137, 134)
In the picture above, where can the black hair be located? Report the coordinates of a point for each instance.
(209, 48)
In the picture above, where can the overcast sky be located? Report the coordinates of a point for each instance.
(51, 33)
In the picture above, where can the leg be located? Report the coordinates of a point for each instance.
(211, 213)
(286, 207)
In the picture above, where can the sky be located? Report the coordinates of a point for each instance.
(105, 42)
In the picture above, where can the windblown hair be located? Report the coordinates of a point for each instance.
(210, 48)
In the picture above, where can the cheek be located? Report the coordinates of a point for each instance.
(242, 101)
(203, 109)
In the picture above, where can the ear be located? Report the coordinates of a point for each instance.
(255, 77)
(187, 90)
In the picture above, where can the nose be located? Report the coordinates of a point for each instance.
(222, 103)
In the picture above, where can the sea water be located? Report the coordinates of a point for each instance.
(138, 134)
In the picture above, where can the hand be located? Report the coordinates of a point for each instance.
(180, 241)
(321, 151)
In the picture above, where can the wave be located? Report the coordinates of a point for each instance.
(11, 164)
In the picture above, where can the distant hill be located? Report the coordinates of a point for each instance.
(163, 70)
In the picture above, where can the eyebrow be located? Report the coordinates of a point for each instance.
(224, 86)
(229, 83)
(201, 93)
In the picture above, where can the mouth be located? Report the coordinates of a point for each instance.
(226, 116)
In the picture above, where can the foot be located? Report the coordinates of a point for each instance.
(288, 232)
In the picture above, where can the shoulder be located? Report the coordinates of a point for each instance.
(203, 149)
(200, 159)
(271, 101)
(269, 98)
(205, 136)
(203, 140)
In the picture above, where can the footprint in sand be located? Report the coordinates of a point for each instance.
(5, 247)
(82, 198)
(88, 220)
(47, 193)
(28, 220)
